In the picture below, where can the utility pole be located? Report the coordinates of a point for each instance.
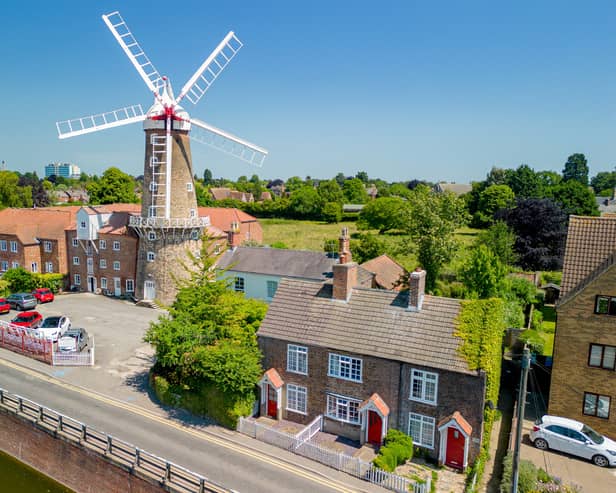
(520, 413)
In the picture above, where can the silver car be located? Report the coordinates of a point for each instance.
(21, 301)
(74, 339)
(575, 438)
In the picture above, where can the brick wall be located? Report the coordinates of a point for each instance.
(77, 468)
(9, 256)
(577, 327)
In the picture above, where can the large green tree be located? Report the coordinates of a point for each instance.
(482, 273)
(306, 203)
(574, 198)
(431, 220)
(113, 187)
(384, 214)
(330, 191)
(524, 182)
(11, 194)
(576, 168)
(354, 191)
(604, 182)
(491, 200)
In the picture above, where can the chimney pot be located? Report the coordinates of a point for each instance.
(344, 250)
(417, 288)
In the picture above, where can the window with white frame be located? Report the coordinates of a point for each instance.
(272, 286)
(116, 265)
(3, 245)
(189, 187)
(49, 267)
(47, 246)
(421, 430)
(296, 398)
(102, 244)
(151, 256)
(152, 235)
(103, 283)
(193, 213)
(14, 246)
(130, 286)
(34, 267)
(424, 386)
(75, 242)
(153, 186)
(343, 409)
(152, 211)
(75, 260)
(344, 367)
(297, 359)
(82, 225)
(14, 265)
(77, 280)
(116, 246)
(4, 266)
(238, 284)
(103, 263)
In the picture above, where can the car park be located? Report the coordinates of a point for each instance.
(5, 306)
(74, 339)
(30, 320)
(54, 327)
(43, 295)
(575, 438)
(21, 301)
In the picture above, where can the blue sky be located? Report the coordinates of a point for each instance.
(402, 90)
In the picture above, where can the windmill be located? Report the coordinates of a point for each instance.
(169, 217)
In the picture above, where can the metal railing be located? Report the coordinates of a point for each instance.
(173, 477)
(161, 222)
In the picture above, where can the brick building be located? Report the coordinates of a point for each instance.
(239, 226)
(369, 360)
(583, 378)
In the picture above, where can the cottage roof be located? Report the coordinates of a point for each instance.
(302, 264)
(117, 224)
(377, 401)
(457, 188)
(30, 225)
(591, 242)
(388, 273)
(373, 322)
(460, 421)
(222, 217)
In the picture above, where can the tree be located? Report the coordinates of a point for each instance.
(431, 220)
(524, 182)
(305, 203)
(365, 247)
(207, 177)
(604, 182)
(330, 191)
(363, 176)
(332, 212)
(384, 214)
(294, 183)
(540, 226)
(491, 200)
(497, 176)
(500, 239)
(39, 194)
(19, 280)
(11, 194)
(483, 273)
(354, 191)
(574, 198)
(340, 179)
(114, 186)
(576, 168)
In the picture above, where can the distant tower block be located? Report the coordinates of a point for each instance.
(169, 226)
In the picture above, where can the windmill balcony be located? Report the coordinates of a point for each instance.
(161, 222)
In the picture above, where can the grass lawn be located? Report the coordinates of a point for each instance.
(549, 319)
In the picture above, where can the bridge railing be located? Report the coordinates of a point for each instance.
(173, 477)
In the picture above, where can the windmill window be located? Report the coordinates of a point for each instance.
(189, 187)
(152, 236)
(153, 186)
(151, 256)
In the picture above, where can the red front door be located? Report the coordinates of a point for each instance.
(455, 448)
(272, 408)
(375, 428)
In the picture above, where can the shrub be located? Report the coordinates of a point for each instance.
(537, 320)
(396, 450)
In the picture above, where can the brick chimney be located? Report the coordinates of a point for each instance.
(234, 235)
(417, 288)
(344, 251)
(345, 277)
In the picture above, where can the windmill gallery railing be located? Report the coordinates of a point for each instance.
(155, 469)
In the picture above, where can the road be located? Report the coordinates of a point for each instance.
(224, 460)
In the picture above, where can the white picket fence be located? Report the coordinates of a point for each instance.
(301, 445)
(82, 358)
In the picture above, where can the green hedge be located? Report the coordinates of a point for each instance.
(396, 450)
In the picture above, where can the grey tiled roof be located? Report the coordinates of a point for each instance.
(278, 262)
(374, 322)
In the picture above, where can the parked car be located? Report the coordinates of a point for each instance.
(21, 301)
(5, 306)
(54, 327)
(30, 320)
(74, 339)
(43, 295)
(575, 438)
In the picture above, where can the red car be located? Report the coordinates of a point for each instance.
(5, 306)
(43, 295)
(30, 320)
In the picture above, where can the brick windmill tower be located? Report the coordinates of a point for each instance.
(169, 225)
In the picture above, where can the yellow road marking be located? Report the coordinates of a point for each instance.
(196, 433)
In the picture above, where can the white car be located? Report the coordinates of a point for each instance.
(575, 438)
(53, 328)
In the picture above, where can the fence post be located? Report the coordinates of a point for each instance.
(167, 471)
(41, 415)
(109, 443)
(201, 485)
(137, 457)
(60, 422)
(84, 435)
(20, 406)
(1, 396)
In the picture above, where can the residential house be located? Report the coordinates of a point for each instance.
(583, 374)
(277, 187)
(368, 360)
(226, 193)
(239, 226)
(34, 239)
(70, 195)
(457, 188)
(388, 274)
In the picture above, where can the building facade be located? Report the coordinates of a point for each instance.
(65, 170)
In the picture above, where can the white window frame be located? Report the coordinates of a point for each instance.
(77, 280)
(75, 242)
(13, 246)
(76, 261)
(130, 286)
(152, 235)
(340, 408)
(116, 265)
(116, 246)
(297, 359)
(344, 367)
(103, 263)
(189, 187)
(102, 244)
(272, 287)
(422, 421)
(152, 211)
(34, 267)
(4, 265)
(48, 267)
(239, 284)
(425, 380)
(82, 225)
(297, 399)
(47, 246)
(193, 213)
(153, 186)
(3, 245)
(103, 283)
(14, 264)
(151, 256)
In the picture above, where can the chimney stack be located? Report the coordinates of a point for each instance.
(417, 288)
(234, 235)
(344, 251)
(345, 277)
